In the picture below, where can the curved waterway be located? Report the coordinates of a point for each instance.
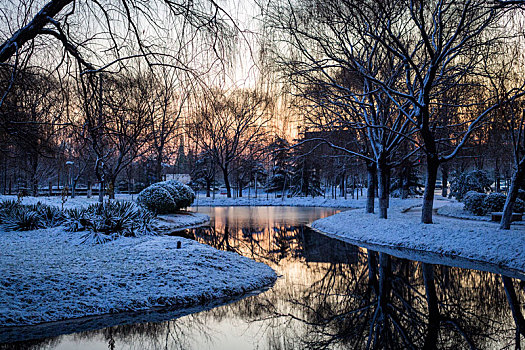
(330, 295)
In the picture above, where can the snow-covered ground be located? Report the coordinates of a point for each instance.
(219, 201)
(447, 239)
(262, 200)
(48, 275)
(163, 223)
(455, 210)
(69, 203)
(176, 222)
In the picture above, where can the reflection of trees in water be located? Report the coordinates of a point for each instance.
(335, 295)
(381, 306)
(32, 344)
(174, 334)
(269, 245)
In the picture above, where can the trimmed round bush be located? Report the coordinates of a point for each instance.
(494, 202)
(157, 199)
(474, 202)
(475, 180)
(174, 192)
(186, 194)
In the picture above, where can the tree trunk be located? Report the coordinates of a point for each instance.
(433, 309)
(376, 184)
(372, 269)
(384, 180)
(383, 294)
(255, 185)
(444, 180)
(239, 183)
(405, 181)
(89, 189)
(342, 185)
(430, 187)
(208, 187)
(497, 176)
(515, 306)
(34, 186)
(73, 188)
(158, 169)
(370, 193)
(101, 191)
(111, 188)
(353, 189)
(284, 188)
(227, 182)
(517, 178)
(34, 179)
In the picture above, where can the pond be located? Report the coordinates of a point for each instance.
(330, 295)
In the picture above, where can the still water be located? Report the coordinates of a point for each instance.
(330, 295)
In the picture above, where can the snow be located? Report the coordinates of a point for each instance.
(447, 240)
(48, 275)
(163, 224)
(222, 201)
(455, 210)
(219, 201)
(261, 200)
(70, 203)
(171, 222)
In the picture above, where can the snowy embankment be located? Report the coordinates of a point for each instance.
(69, 202)
(48, 275)
(455, 210)
(286, 202)
(478, 244)
(178, 222)
(163, 223)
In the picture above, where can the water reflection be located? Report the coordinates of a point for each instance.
(331, 295)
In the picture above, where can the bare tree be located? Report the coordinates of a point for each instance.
(440, 47)
(114, 25)
(340, 86)
(205, 169)
(114, 120)
(517, 132)
(167, 96)
(31, 121)
(228, 125)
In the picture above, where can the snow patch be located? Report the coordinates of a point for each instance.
(474, 240)
(47, 275)
(456, 210)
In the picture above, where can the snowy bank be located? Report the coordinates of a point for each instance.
(47, 275)
(455, 210)
(219, 201)
(477, 244)
(286, 202)
(163, 223)
(177, 222)
(69, 203)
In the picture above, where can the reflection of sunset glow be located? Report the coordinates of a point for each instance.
(270, 236)
(321, 297)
